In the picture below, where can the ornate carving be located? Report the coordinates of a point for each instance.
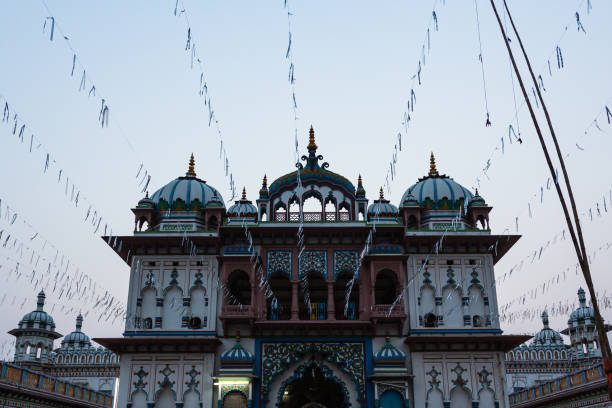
(346, 261)
(459, 381)
(140, 384)
(348, 357)
(483, 378)
(166, 372)
(279, 261)
(193, 378)
(313, 261)
(241, 388)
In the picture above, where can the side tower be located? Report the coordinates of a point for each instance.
(34, 337)
(167, 349)
(456, 343)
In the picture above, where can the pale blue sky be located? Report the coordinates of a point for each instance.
(353, 63)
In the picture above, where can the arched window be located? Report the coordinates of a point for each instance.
(548, 355)
(312, 204)
(563, 354)
(510, 355)
(38, 352)
(294, 209)
(526, 355)
(341, 287)
(147, 323)
(28, 350)
(239, 287)
(330, 210)
(98, 359)
(412, 222)
(279, 306)
(318, 298)
(477, 321)
(280, 212)
(391, 399)
(556, 355)
(213, 223)
(344, 211)
(263, 217)
(60, 359)
(541, 355)
(518, 356)
(385, 288)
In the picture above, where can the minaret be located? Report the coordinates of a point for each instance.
(34, 337)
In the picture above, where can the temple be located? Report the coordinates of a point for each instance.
(285, 302)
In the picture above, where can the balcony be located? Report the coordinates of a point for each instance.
(312, 216)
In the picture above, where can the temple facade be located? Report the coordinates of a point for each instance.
(312, 296)
(560, 369)
(85, 374)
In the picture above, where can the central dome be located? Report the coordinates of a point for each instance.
(77, 338)
(547, 336)
(437, 192)
(187, 193)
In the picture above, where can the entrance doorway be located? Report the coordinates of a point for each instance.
(313, 390)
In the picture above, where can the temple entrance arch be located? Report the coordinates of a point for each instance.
(313, 386)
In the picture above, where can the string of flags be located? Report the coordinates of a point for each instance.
(73, 192)
(512, 133)
(416, 81)
(301, 241)
(87, 87)
(195, 60)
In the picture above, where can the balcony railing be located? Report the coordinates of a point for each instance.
(382, 311)
(233, 311)
(312, 216)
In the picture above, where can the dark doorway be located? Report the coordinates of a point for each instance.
(313, 390)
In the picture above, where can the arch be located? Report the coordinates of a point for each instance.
(280, 211)
(476, 302)
(139, 399)
(198, 302)
(149, 305)
(172, 308)
(90, 359)
(511, 355)
(477, 321)
(563, 354)
(239, 286)
(541, 355)
(556, 354)
(344, 211)
(279, 308)
(98, 359)
(38, 352)
(460, 397)
(165, 397)
(314, 372)
(427, 304)
(548, 355)
(526, 355)
(191, 399)
(518, 355)
(317, 287)
(60, 359)
(391, 399)
(385, 287)
(330, 208)
(82, 359)
(234, 399)
(341, 287)
(452, 306)
(486, 397)
(312, 201)
(293, 205)
(412, 221)
(143, 222)
(213, 223)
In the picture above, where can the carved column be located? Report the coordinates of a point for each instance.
(331, 307)
(294, 300)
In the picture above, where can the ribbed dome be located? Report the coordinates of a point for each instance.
(389, 355)
(547, 336)
(38, 318)
(187, 193)
(382, 208)
(437, 192)
(77, 338)
(583, 313)
(237, 356)
(242, 207)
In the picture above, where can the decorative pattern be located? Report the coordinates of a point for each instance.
(386, 249)
(140, 384)
(346, 261)
(237, 249)
(241, 388)
(483, 379)
(193, 380)
(313, 261)
(165, 383)
(328, 374)
(348, 357)
(149, 280)
(459, 381)
(279, 261)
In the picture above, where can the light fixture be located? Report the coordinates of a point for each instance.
(231, 381)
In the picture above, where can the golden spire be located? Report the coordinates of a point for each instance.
(311, 140)
(382, 195)
(238, 336)
(191, 170)
(432, 166)
(359, 183)
(243, 193)
(264, 185)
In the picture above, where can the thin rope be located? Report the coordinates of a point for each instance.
(516, 116)
(484, 83)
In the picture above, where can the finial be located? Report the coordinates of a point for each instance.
(382, 195)
(191, 170)
(359, 183)
(476, 190)
(147, 195)
(243, 193)
(545, 319)
(238, 336)
(311, 140)
(79, 322)
(41, 300)
(581, 297)
(432, 166)
(264, 185)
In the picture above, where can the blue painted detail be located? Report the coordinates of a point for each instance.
(184, 333)
(460, 331)
(279, 261)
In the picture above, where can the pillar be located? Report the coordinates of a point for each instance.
(331, 307)
(294, 300)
